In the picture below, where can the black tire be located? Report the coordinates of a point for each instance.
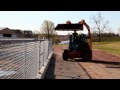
(89, 58)
(83, 55)
(86, 55)
(65, 55)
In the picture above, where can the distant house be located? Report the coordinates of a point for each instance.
(18, 32)
(7, 33)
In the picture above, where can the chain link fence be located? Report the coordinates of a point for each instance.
(22, 59)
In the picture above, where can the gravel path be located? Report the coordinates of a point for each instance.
(102, 66)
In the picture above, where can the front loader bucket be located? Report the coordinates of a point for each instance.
(69, 27)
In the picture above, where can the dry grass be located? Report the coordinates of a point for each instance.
(110, 47)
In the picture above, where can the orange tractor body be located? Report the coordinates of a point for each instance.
(80, 46)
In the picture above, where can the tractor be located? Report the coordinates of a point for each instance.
(80, 46)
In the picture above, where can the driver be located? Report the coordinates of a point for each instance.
(75, 34)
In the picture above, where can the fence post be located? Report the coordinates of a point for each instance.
(44, 52)
(25, 57)
(39, 52)
(48, 46)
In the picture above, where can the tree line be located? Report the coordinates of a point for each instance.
(24, 33)
(47, 30)
(101, 29)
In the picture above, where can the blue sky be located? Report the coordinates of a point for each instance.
(32, 20)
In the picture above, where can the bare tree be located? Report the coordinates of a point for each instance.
(100, 25)
(48, 29)
(119, 31)
(110, 32)
(94, 33)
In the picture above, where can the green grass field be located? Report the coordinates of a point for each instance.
(110, 47)
(105, 39)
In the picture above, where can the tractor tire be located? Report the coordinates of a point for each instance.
(84, 55)
(87, 55)
(65, 55)
(89, 58)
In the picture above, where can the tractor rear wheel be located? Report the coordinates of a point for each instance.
(89, 58)
(87, 55)
(65, 54)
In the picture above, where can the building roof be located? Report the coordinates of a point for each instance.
(6, 31)
(1, 28)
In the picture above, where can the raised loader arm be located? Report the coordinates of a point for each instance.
(89, 34)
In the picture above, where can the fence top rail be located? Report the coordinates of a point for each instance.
(17, 39)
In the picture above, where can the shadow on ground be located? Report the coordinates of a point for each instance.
(95, 61)
(51, 68)
(109, 64)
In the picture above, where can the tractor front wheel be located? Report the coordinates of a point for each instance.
(65, 54)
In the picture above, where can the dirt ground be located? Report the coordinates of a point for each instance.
(102, 66)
